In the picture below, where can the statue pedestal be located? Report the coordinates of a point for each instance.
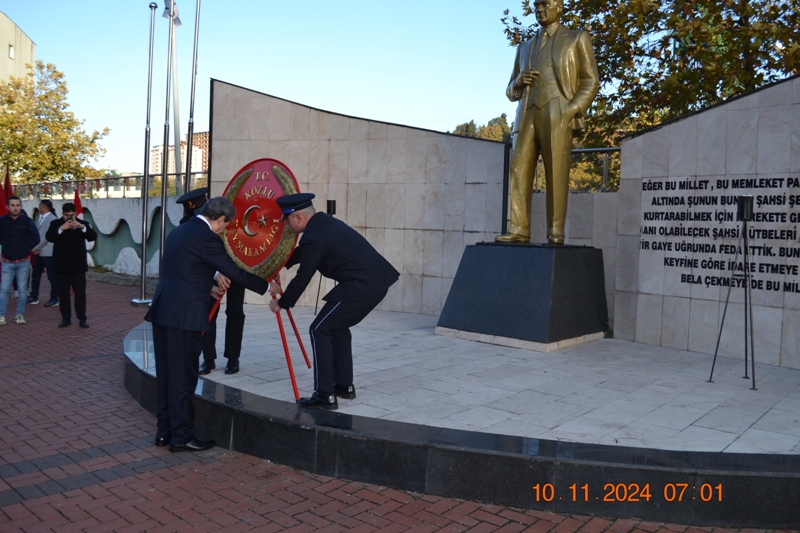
(534, 296)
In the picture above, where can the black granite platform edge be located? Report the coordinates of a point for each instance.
(758, 490)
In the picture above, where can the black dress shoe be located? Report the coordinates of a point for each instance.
(193, 445)
(206, 367)
(84, 324)
(347, 393)
(317, 401)
(163, 441)
(232, 367)
(65, 323)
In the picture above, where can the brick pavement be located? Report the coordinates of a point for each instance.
(76, 454)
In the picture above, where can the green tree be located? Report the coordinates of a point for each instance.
(661, 59)
(40, 138)
(497, 129)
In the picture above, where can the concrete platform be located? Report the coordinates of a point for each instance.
(464, 419)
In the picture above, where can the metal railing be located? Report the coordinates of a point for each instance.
(107, 187)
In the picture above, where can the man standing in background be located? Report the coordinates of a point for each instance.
(18, 236)
(43, 257)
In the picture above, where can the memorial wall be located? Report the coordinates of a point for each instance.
(680, 185)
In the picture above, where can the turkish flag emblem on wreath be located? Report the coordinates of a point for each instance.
(257, 239)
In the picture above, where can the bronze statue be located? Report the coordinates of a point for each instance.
(554, 79)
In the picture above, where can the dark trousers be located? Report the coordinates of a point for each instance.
(234, 327)
(41, 264)
(76, 281)
(331, 341)
(177, 365)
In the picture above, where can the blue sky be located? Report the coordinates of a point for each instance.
(431, 64)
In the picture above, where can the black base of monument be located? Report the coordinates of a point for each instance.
(534, 292)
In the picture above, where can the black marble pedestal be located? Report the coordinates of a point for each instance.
(534, 292)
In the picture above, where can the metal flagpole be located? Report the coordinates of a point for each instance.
(176, 113)
(190, 134)
(165, 153)
(142, 300)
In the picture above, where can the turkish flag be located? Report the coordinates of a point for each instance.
(78, 206)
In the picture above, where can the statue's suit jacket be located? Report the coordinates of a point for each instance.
(575, 68)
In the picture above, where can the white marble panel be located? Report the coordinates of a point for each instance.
(397, 132)
(413, 251)
(320, 125)
(376, 205)
(340, 128)
(318, 161)
(655, 153)
(257, 150)
(456, 150)
(711, 141)
(301, 123)
(229, 156)
(775, 139)
(452, 250)
(581, 215)
(742, 138)
(604, 220)
(625, 315)
(629, 207)
(675, 323)
(434, 206)
(435, 159)
(377, 130)
(280, 150)
(477, 160)
(412, 293)
(494, 207)
(432, 253)
(627, 277)
(796, 136)
(338, 192)
(358, 161)
(395, 205)
(357, 205)
(651, 272)
(416, 160)
(767, 328)
(790, 339)
(339, 166)
(631, 158)
(649, 309)
(778, 94)
(393, 248)
(240, 129)
(376, 166)
(223, 118)
(683, 147)
(495, 164)
(414, 206)
(394, 298)
(447, 284)
(358, 129)
(376, 237)
(280, 120)
(259, 118)
(222, 90)
(298, 159)
(431, 296)
(396, 160)
(475, 207)
(454, 206)
(796, 91)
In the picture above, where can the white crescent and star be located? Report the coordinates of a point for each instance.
(245, 225)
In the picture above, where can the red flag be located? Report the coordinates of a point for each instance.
(78, 206)
(3, 203)
(9, 190)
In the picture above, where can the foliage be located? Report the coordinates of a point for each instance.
(661, 59)
(497, 129)
(40, 138)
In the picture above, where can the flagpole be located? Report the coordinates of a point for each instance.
(143, 300)
(165, 154)
(190, 134)
(176, 114)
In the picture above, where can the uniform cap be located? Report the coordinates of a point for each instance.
(294, 202)
(194, 199)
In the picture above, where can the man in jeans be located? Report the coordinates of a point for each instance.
(18, 236)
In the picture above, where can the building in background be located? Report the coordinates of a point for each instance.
(16, 49)
(199, 155)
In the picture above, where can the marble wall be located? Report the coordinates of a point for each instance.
(418, 196)
(755, 136)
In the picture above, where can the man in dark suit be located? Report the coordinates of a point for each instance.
(179, 313)
(364, 277)
(69, 235)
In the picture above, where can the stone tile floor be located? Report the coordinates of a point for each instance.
(606, 392)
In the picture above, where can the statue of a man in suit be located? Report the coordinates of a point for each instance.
(554, 79)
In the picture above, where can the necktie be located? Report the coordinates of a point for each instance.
(543, 39)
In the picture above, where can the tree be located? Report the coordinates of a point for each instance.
(497, 129)
(661, 59)
(40, 138)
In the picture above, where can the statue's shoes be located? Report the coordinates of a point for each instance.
(512, 237)
(555, 239)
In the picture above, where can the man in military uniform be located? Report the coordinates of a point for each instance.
(554, 79)
(338, 252)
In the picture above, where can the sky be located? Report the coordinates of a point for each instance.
(431, 64)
